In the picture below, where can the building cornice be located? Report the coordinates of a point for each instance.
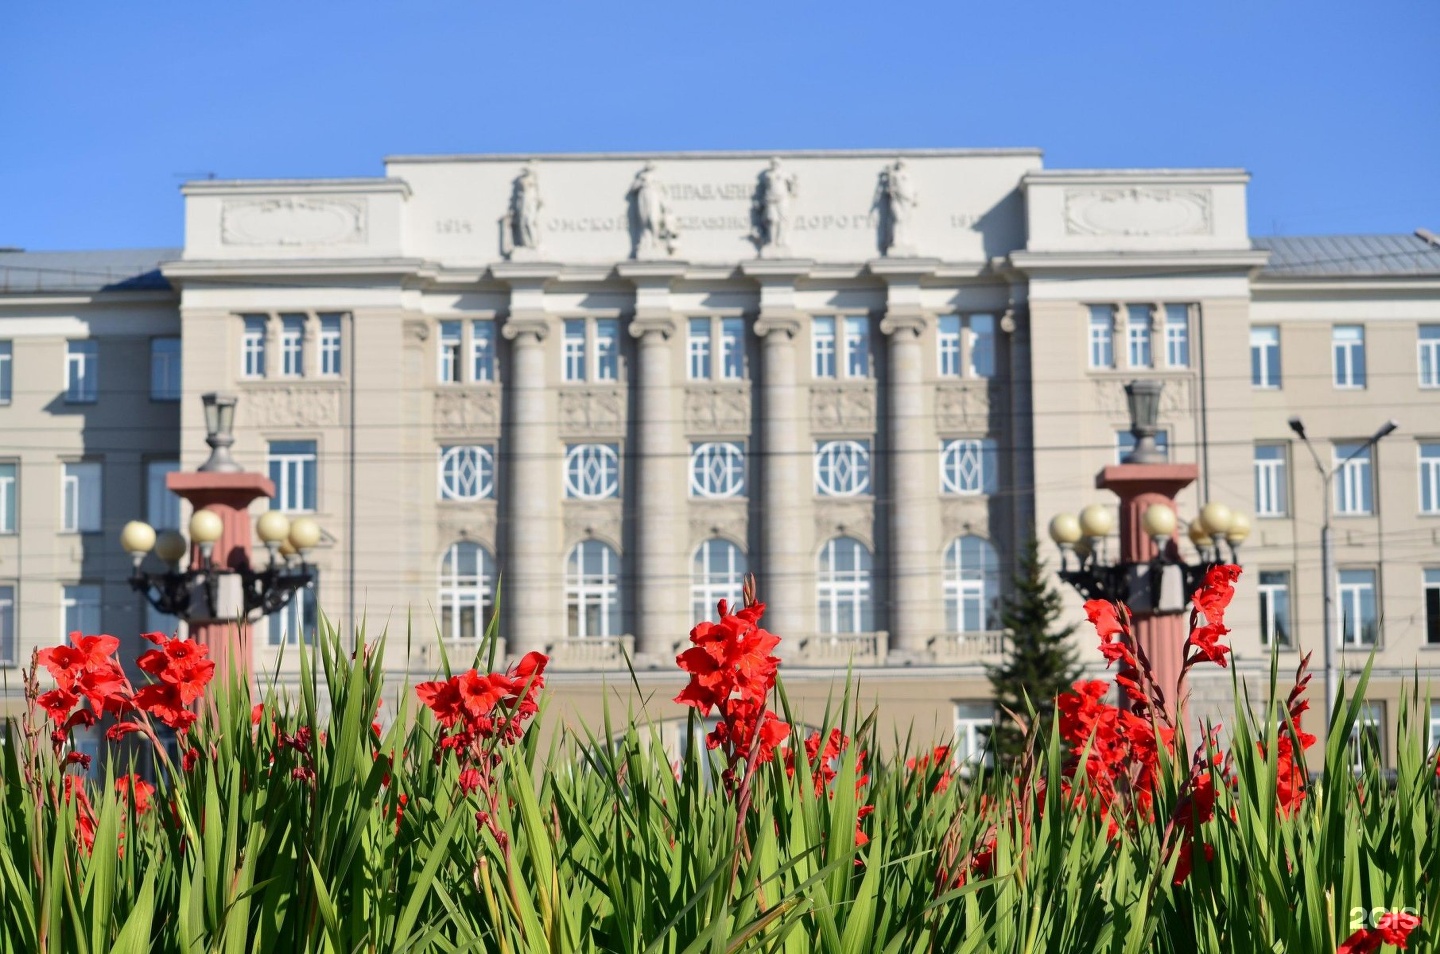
(1135, 176)
(1026, 151)
(300, 268)
(1182, 262)
(98, 299)
(1344, 284)
(269, 187)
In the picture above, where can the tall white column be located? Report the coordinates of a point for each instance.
(660, 537)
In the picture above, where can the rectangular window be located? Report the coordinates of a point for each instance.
(9, 652)
(1430, 478)
(732, 349)
(80, 497)
(1434, 728)
(81, 604)
(8, 480)
(292, 345)
(1138, 334)
(1354, 484)
(974, 722)
(1102, 336)
(252, 347)
(1272, 482)
(1177, 336)
(7, 361)
(857, 347)
(82, 371)
(1275, 608)
(162, 508)
(164, 369)
(697, 349)
(1265, 356)
(292, 470)
(330, 346)
(574, 349)
(1432, 606)
(1428, 343)
(982, 346)
(1348, 344)
(1125, 443)
(449, 369)
(1358, 622)
(607, 349)
(1367, 737)
(822, 339)
(948, 339)
(482, 350)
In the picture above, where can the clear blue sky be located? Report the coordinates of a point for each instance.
(106, 107)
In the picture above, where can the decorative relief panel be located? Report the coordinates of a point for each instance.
(839, 408)
(963, 406)
(717, 410)
(467, 410)
(1175, 399)
(587, 521)
(293, 221)
(586, 412)
(468, 521)
(852, 518)
(959, 517)
(709, 520)
(1138, 211)
(290, 406)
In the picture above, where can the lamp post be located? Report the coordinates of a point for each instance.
(1327, 545)
(219, 593)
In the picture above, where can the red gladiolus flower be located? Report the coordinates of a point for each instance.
(190, 759)
(119, 730)
(164, 701)
(1392, 928)
(181, 663)
(84, 812)
(57, 703)
(136, 789)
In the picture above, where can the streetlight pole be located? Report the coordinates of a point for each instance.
(1327, 546)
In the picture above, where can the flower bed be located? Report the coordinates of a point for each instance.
(265, 829)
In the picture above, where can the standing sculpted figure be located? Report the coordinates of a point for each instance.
(896, 197)
(655, 233)
(776, 189)
(520, 229)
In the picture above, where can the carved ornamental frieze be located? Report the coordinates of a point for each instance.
(289, 406)
(468, 411)
(964, 406)
(845, 518)
(842, 408)
(1138, 211)
(294, 221)
(960, 516)
(592, 412)
(1175, 399)
(722, 409)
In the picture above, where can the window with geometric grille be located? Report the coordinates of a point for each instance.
(466, 595)
(716, 573)
(717, 469)
(467, 472)
(842, 468)
(592, 471)
(967, 466)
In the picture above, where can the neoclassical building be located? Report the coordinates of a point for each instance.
(616, 383)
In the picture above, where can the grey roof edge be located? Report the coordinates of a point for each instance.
(1342, 257)
(998, 152)
(91, 271)
(337, 184)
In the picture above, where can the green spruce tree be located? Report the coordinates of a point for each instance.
(1040, 661)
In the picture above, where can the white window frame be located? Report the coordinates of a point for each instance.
(592, 471)
(967, 466)
(972, 593)
(466, 472)
(1369, 721)
(1177, 336)
(461, 593)
(82, 371)
(947, 345)
(165, 368)
(980, 327)
(7, 371)
(80, 609)
(854, 479)
(573, 349)
(1434, 729)
(732, 349)
(252, 345)
(450, 339)
(717, 469)
(1348, 357)
(1427, 355)
(1272, 481)
(332, 344)
(1427, 454)
(81, 503)
(1261, 348)
(972, 735)
(698, 349)
(605, 336)
(1354, 480)
(856, 343)
(1139, 336)
(292, 479)
(162, 508)
(9, 488)
(586, 591)
(483, 352)
(1100, 337)
(717, 571)
(9, 644)
(1351, 597)
(292, 345)
(1275, 620)
(837, 590)
(825, 347)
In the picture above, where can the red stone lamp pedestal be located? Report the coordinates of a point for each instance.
(228, 495)
(1139, 486)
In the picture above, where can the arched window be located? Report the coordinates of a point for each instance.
(467, 472)
(972, 585)
(592, 471)
(842, 468)
(717, 469)
(592, 590)
(843, 587)
(467, 574)
(717, 573)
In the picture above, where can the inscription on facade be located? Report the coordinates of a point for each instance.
(291, 407)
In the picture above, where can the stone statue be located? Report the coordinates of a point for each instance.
(655, 232)
(520, 228)
(896, 198)
(772, 202)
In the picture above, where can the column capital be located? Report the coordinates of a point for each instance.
(518, 327)
(644, 323)
(785, 321)
(900, 320)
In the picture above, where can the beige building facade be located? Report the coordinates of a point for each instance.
(619, 382)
